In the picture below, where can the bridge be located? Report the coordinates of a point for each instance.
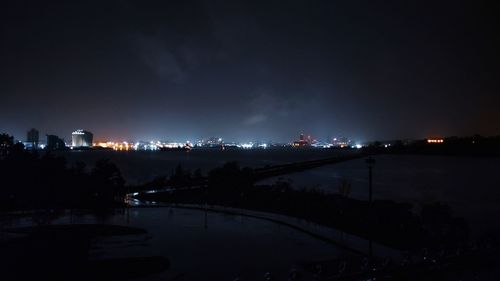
(283, 169)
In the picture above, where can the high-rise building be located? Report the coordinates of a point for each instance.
(81, 138)
(302, 141)
(33, 138)
(55, 143)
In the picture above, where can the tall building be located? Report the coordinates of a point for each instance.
(33, 138)
(81, 138)
(302, 141)
(55, 143)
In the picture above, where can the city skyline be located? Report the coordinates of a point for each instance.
(77, 136)
(300, 136)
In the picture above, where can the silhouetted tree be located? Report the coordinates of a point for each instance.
(180, 177)
(230, 177)
(443, 228)
(6, 143)
(107, 181)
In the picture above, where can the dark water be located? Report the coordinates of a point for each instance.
(140, 166)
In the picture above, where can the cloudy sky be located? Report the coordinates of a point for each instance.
(249, 70)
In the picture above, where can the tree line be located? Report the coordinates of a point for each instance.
(41, 180)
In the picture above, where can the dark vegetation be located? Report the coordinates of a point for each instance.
(44, 183)
(178, 179)
(33, 180)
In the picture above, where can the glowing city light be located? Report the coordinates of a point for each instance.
(435, 140)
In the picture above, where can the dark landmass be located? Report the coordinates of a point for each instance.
(451, 146)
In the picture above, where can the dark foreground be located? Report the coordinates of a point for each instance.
(60, 252)
(438, 244)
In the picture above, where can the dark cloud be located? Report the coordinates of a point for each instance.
(249, 69)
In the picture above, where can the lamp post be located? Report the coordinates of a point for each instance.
(370, 162)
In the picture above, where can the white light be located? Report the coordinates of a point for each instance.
(247, 145)
(358, 146)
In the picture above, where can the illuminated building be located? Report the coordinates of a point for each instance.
(81, 138)
(435, 140)
(302, 141)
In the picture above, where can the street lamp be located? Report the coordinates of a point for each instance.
(370, 162)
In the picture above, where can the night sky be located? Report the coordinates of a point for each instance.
(253, 70)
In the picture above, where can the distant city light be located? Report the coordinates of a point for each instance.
(246, 145)
(83, 139)
(435, 140)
